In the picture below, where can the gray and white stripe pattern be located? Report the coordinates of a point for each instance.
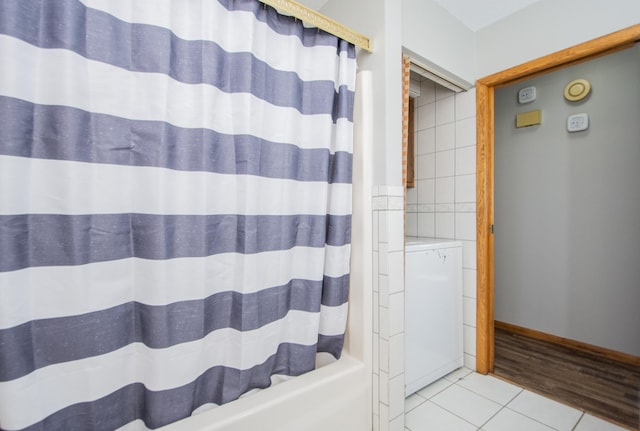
(175, 206)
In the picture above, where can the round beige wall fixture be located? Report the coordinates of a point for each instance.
(577, 90)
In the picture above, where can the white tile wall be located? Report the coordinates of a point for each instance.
(445, 137)
(465, 188)
(466, 105)
(396, 276)
(469, 254)
(427, 224)
(426, 116)
(466, 132)
(388, 302)
(445, 110)
(442, 92)
(426, 191)
(465, 160)
(465, 207)
(374, 235)
(445, 163)
(426, 166)
(469, 311)
(396, 313)
(383, 257)
(383, 354)
(383, 322)
(469, 283)
(396, 396)
(465, 226)
(383, 286)
(396, 355)
(412, 198)
(396, 232)
(426, 140)
(411, 224)
(469, 339)
(470, 361)
(445, 225)
(376, 314)
(384, 390)
(384, 417)
(445, 190)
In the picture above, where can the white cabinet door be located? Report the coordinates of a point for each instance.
(433, 315)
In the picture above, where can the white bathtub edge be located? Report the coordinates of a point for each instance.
(333, 396)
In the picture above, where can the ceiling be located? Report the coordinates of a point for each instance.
(475, 14)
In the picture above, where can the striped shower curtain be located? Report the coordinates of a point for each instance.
(175, 207)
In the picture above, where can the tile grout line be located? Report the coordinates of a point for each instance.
(421, 403)
(462, 387)
(503, 406)
(529, 417)
(493, 416)
(536, 420)
(452, 413)
(579, 419)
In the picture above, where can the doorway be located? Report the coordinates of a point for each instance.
(485, 169)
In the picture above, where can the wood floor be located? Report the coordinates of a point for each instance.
(595, 384)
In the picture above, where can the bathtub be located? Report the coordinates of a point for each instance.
(332, 397)
(336, 396)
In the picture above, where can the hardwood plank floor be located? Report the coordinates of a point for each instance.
(593, 383)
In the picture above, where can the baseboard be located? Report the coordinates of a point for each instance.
(579, 345)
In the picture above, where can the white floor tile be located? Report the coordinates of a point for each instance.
(545, 410)
(508, 420)
(434, 388)
(397, 424)
(412, 401)
(430, 417)
(458, 374)
(464, 400)
(466, 404)
(592, 423)
(490, 387)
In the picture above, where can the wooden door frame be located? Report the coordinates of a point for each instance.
(485, 175)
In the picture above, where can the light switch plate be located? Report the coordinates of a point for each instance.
(578, 122)
(527, 95)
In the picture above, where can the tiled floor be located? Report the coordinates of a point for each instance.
(467, 401)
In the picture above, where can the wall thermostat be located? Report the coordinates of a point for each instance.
(577, 122)
(527, 95)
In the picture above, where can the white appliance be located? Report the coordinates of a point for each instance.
(433, 310)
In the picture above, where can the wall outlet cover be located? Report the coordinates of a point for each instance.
(526, 95)
(577, 122)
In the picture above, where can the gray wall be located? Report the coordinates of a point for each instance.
(567, 207)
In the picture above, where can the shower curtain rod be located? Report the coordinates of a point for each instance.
(316, 19)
